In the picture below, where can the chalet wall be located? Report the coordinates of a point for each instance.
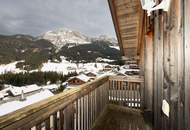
(164, 53)
(171, 62)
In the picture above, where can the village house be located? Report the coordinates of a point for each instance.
(78, 80)
(17, 91)
(1, 96)
(92, 75)
(16, 104)
(108, 68)
(4, 93)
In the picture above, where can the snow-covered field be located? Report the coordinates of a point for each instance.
(64, 67)
(11, 67)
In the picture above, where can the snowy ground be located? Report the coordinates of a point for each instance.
(64, 67)
(11, 67)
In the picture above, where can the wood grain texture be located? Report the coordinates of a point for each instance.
(127, 17)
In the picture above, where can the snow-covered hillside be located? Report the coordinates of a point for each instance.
(64, 67)
(11, 67)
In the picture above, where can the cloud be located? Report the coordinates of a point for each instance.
(92, 17)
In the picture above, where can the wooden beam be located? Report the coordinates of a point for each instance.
(126, 46)
(126, 3)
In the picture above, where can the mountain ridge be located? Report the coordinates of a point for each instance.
(35, 50)
(64, 36)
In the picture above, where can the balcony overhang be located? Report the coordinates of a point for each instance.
(127, 17)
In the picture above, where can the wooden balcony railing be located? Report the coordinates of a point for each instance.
(75, 109)
(126, 91)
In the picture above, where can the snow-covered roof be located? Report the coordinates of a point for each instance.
(122, 71)
(15, 105)
(81, 77)
(26, 89)
(1, 96)
(51, 86)
(137, 70)
(91, 72)
(6, 89)
(119, 72)
(108, 73)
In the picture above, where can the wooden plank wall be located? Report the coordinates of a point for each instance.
(186, 6)
(171, 62)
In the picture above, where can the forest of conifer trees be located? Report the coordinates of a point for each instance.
(39, 78)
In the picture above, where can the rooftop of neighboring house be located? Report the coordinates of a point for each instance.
(8, 107)
(15, 91)
(81, 77)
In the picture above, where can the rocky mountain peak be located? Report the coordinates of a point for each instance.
(64, 36)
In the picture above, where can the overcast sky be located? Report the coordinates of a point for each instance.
(34, 17)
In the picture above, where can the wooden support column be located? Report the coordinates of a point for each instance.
(158, 70)
(148, 71)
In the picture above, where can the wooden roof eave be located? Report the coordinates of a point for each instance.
(116, 26)
(141, 31)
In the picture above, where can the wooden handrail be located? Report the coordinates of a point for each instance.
(30, 116)
(137, 79)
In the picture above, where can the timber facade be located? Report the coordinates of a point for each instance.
(162, 44)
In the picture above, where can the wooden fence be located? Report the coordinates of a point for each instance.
(126, 91)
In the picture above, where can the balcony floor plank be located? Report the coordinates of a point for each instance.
(121, 118)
